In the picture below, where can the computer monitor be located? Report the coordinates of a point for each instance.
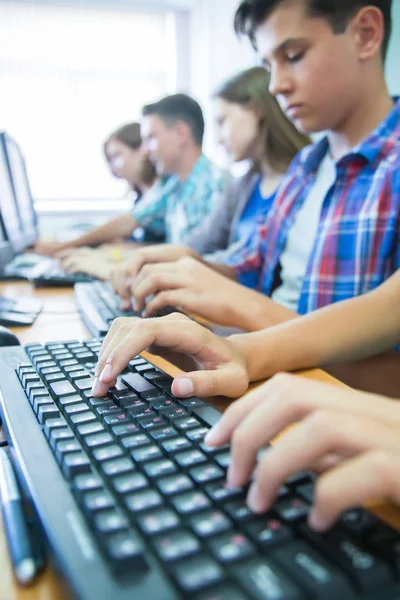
(9, 214)
(22, 192)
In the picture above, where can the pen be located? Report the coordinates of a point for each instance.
(17, 533)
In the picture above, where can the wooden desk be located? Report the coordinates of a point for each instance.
(60, 320)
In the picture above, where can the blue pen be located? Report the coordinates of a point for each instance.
(17, 533)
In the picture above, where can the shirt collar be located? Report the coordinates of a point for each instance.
(175, 183)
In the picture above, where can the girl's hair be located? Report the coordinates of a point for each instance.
(129, 135)
(282, 141)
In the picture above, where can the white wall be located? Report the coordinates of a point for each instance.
(215, 53)
(393, 62)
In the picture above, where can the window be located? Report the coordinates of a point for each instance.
(69, 76)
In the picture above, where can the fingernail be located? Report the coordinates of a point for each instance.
(184, 386)
(254, 499)
(96, 387)
(106, 374)
(96, 370)
(317, 521)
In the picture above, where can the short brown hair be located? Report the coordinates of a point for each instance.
(282, 141)
(252, 13)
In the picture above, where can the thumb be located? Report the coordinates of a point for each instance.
(225, 381)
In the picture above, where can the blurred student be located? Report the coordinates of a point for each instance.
(122, 151)
(333, 230)
(251, 126)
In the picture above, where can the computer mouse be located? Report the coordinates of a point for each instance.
(7, 338)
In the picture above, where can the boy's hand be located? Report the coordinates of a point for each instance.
(223, 368)
(355, 435)
(123, 276)
(194, 288)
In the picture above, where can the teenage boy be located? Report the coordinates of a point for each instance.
(172, 132)
(333, 230)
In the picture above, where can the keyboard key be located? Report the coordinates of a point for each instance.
(146, 453)
(158, 468)
(47, 411)
(158, 521)
(125, 429)
(190, 458)
(174, 484)
(63, 447)
(116, 466)
(205, 473)
(196, 435)
(210, 523)
(82, 418)
(222, 592)
(86, 483)
(262, 580)
(176, 545)
(208, 415)
(135, 441)
(321, 579)
(98, 439)
(292, 509)
(144, 500)
(266, 532)
(163, 433)
(186, 424)
(97, 500)
(223, 459)
(107, 452)
(89, 429)
(174, 445)
(219, 492)
(197, 573)
(62, 388)
(132, 482)
(110, 521)
(83, 384)
(238, 510)
(63, 433)
(191, 502)
(366, 570)
(125, 552)
(74, 464)
(137, 383)
(231, 547)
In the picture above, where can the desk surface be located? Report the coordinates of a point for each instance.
(60, 320)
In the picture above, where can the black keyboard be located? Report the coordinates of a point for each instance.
(42, 271)
(133, 502)
(19, 312)
(99, 306)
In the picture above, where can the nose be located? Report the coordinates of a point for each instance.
(280, 82)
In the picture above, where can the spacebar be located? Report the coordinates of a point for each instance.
(207, 414)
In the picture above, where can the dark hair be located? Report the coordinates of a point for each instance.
(252, 13)
(129, 134)
(282, 141)
(179, 107)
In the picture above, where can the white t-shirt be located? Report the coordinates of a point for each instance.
(301, 237)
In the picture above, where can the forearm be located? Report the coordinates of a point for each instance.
(220, 268)
(116, 228)
(350, 330)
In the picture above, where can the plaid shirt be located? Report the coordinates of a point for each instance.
(357, 242)
(177, 207)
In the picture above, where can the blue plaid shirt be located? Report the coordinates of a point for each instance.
(357, 243)
(176, 208)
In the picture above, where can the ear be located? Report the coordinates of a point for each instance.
(183, 130)
(369, 28)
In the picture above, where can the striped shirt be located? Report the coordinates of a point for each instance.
(357, 243)
(177, 207)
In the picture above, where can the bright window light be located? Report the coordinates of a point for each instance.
(71, 75)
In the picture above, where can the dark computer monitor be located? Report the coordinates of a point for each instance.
(9, 214)
(22, 191)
